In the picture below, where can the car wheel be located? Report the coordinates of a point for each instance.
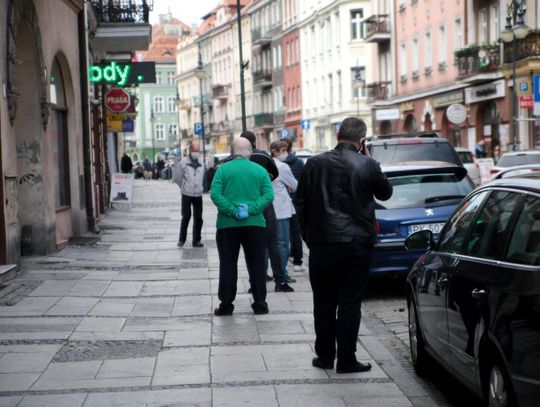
(420, 358)
(499, 387)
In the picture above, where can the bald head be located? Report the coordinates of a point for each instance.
(241, 147)
(195, 148)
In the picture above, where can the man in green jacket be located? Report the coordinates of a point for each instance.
(241, 190)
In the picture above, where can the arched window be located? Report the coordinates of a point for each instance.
(386, 127)
(428, 124)
(60, 137)
(410, 124)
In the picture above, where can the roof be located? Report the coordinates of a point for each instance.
(422, 167)
(522, 152)
(527, 183)
(163, 46)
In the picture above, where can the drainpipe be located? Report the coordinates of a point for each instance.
(87, 160)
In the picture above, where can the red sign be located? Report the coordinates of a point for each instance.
(526, 102)
(117, 100)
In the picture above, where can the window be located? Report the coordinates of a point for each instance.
(171, 104)
(490, 228)
(358, 76)
(173, 131)
(170, 78)
(415, 56)
(524, 246)
(442, 44)
(330, 90)
(403, 60)
(158, 104)
(337, 27)
(482, 26)
(158, 78)
(428, 51)
(340, 88)
(160, 132)
(494, 30)
(456, 230)
(458, 32)
(356, 24)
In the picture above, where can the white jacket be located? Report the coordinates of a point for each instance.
(283, 205)
(189, 176)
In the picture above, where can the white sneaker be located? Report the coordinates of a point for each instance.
(298, 268)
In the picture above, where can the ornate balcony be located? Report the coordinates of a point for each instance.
(378, 91)
(207, 100)
(262, 78)
(220, 91)
(264, 119)
(185, 104)
(525, 48)
(377, 28)
(475, 60)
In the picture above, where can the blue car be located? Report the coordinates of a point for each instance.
(425, 195)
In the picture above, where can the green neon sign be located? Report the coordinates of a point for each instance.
(122, 74)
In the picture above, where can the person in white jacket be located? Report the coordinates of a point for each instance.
(189, 175)
(283, 205)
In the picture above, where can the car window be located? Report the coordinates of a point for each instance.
(490, 227)
(466, 157)
(524, 247)
(426, 190)
(455, 231)
(519, 159)
(394, 153)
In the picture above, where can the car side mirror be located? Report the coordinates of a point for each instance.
(421, 240)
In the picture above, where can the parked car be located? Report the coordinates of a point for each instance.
(474, 297)
(515, 158)
(304, 155)
(523, 171)
(469, 162)
(403, 149)
(425, 194)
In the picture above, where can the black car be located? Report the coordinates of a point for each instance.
(409, 148)
(474, 297)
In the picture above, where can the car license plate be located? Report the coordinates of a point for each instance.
(434, 227)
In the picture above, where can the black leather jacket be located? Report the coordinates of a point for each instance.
(335, 197)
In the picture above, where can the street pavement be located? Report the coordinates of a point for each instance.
(128, 321)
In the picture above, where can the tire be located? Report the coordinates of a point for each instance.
(499, 391)
(420, 359)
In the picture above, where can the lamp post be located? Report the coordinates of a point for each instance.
(152, 119)
(243, 65)
(178, 102)
(515, 14)
(200, 73)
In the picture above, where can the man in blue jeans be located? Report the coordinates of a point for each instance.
(336, 211)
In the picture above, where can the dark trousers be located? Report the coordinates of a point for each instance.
(296, 241)
(338, 274)
(187, 203)
(252, 239)
(272, 245)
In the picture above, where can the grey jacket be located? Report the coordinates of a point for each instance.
(189, 175)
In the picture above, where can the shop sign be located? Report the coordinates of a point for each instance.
(456, 113)
(387, 114)
(117, 100)
(526, 102)
(406, 107)
(122, 74)
(493, 90)
(447, 99)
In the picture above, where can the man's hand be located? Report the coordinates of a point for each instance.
(242, 212)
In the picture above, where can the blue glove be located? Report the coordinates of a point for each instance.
(242, 212)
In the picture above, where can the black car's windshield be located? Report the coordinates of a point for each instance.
(519, 159)
(395, 153)
(426, 190)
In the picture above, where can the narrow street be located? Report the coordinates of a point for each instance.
(128, 322)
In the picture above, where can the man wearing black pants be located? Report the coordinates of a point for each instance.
(336, 211)
(187, 203)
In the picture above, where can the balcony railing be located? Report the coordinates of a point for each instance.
(377, 28)
(474, 60)
(185, 104)
(263, 77)
(525, 48)
(122, 11)
(264, 119)
(207, 100)
(260, 36)
(378, 91)
(220, 91)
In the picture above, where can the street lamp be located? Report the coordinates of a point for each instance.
(515, 13)
(152, 120)
(243, 65)
(178, 102)
(200, 73)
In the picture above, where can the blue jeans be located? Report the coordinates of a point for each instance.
(283, 236)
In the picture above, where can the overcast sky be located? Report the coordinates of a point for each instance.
(187, 11)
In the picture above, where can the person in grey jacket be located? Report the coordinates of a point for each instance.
(189, 175)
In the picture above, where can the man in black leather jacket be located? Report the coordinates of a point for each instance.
(336, 210)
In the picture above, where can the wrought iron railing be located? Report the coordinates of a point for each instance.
(122, 11)
(264, 119)
(377, 24)
(525, 48)
(220, 91)
(474, 60)
(378, 91)
(260, 34)
(262, 76)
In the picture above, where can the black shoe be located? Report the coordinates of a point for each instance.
(224, 310)
(269, 278)
(283, 288)
(322, 364)
(353, 368)
(181, 243)
(259, 309)
(290, 280)
(198, 244)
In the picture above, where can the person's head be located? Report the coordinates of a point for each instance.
(352, 131)
(248, 135)
(194, 151)
(289, 143)
(241, 147)
(278, 149)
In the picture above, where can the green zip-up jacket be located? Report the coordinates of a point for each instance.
(241, 181)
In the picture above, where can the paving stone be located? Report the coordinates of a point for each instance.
(192, 305)
(260, 396)
(53, 288)
(201, 397)
(54, 400)
(31, 306)
(17, 381)
(91, 324)
(116, 336)
(72, 306)
(112, 309)
(134, 367)
(182, 366)
(124, 289)
(100, 350)
(237, 328)
(191, 333)
(10, 401)
(38, 324)
(24, 362)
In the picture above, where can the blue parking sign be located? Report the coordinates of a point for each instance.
(198, 129)
(536, 95)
